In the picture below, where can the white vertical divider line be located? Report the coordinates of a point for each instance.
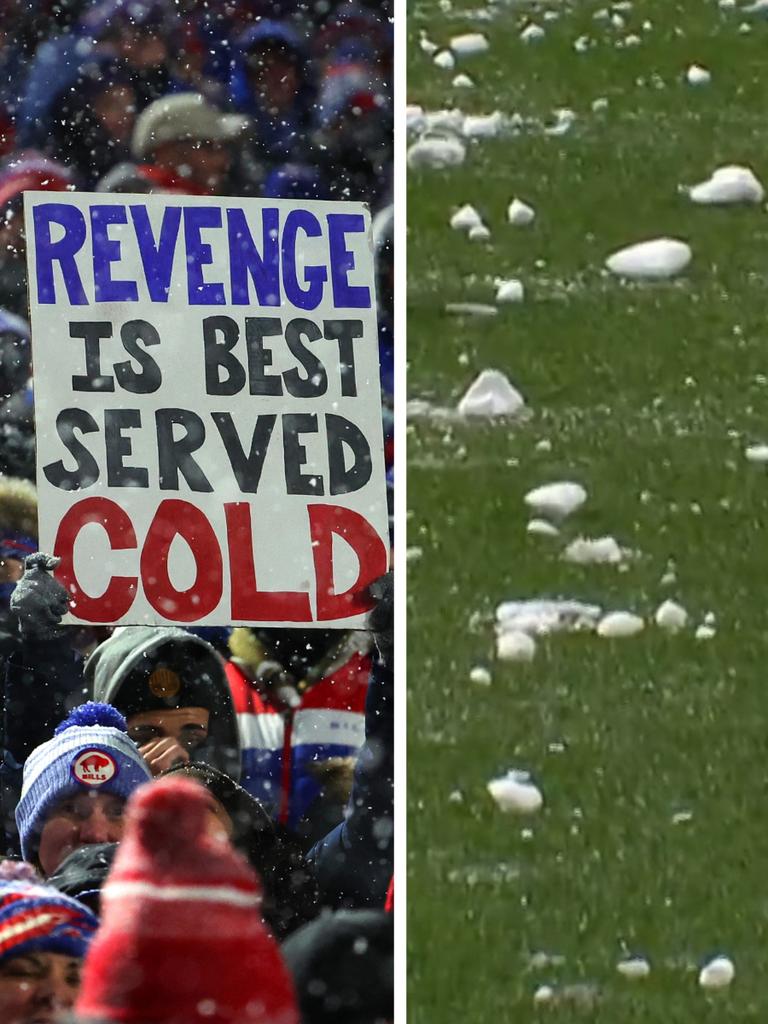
(400, 506)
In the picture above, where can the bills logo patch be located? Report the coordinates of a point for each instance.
(94, 767)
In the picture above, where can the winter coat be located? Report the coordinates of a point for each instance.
(283, 135)
(42, 682)
(283, 748)
(113, 668)
(354, 863)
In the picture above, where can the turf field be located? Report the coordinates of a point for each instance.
(650, 751)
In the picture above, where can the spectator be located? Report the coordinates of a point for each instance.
(354, 132)
(171, 687)
(17, 428)
(44, 936)
(76, 784)
(24, 171)
(343, 968)
(285, 683)
(187, 907)
(183, 143)
(270, 82)
(93, 120)
(18, 530)
(290, 892)
(82, 874)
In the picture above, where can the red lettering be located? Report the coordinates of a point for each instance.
(248, 602)
(175, 517)
(119, 595)
(324, 522)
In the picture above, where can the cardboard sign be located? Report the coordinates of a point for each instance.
(208, 411)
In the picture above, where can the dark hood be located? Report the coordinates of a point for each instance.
(118, 670)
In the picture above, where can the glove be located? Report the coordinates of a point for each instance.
(381, 618)
(39, 600)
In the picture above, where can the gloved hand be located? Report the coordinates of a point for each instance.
(381, 618)
(39, 600)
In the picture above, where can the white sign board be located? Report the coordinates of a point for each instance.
(208, 413)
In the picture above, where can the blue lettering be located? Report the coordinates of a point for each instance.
(157, 257)
(199, 255)
(106, 251)
(63, 251)
(315, 277)
(245, 261)
(343, 260)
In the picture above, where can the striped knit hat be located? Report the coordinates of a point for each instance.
(181, 909)
(37, 919)
(89, 750)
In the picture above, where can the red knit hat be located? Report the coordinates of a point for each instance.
(181, 939)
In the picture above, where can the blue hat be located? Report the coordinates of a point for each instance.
(90, 750)
(35, 918)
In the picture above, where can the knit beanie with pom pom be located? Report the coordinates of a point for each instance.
(90, 750)
(181, 939)
(35, 918)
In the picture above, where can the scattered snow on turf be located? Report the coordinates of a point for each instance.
(620, 624)
(757, 453)
(445, 60)
(731, 184)
(510, 290)
(515, 646)
(436, 153)
(542, 616)
(542, 528)
(480, 676)
(556, 500)
(462, 81)
(491, 394)
(532, 33)
(514, 793)
(596, 551)
(465, 218)
(671, 616)
(469, 45)
(718, 973)
(634, 967)
(520, 214)
(655, 259)
(697, 75)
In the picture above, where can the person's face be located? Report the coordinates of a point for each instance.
(11, 570)
(188, 726)
(274, 78)
(82, 819)
(143, 49)
(203, 164)
(219, 822)
(115, 109)
(37, 988)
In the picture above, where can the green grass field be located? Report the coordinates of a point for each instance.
(649, 396)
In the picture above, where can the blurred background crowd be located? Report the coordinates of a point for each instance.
(284, 736)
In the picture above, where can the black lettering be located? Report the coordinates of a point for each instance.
(120, 447)
(218, 356)
(257, 328)
(345, 332)
(295, 454)
(175, 454)
(133, 335)
(343, 479)
(92, 333)
(247, 469)
(87, 470)
(315, 383)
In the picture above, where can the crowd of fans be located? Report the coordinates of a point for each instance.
(197, 823)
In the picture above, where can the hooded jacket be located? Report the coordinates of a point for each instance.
(116, 669)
